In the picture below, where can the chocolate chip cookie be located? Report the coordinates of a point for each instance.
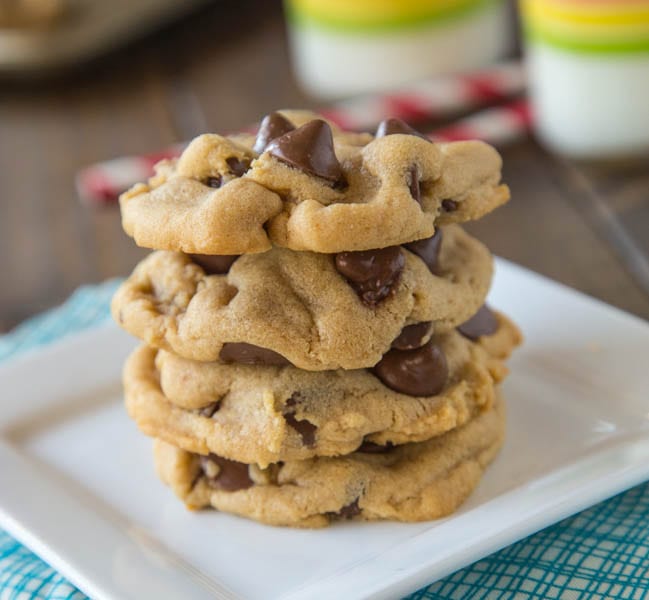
(411, 482)
(264, 414)
(303, 184)
(316, 311)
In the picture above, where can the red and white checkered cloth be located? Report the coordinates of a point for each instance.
(102, 183)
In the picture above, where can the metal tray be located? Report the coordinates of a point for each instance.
(85, 30)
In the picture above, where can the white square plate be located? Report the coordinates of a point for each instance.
(77, 482)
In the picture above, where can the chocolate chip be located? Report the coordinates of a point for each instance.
(305, 428)
(412, 336)
(372, 448)
(293, 400)
(349, 511)
(214, 264)
(392, 126)
(484, 322)
(249, 354)
(309, 148)
(272, 126)
(238, 166)
(209, 410)
(419, 372)
(213, 182)
(415, 185)
(372, 273)
(449, 205)
(232, 476)
(428, 251)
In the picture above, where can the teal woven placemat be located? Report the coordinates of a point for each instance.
(600, 553)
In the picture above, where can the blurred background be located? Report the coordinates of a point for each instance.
(83, 82)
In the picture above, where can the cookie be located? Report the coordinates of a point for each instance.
(309, 186)
(412, 482)
(264, 414)
(317, 311)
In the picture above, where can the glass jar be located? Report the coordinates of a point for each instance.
(343, 47)
(588, 68)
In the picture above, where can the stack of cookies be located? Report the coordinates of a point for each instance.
(317, 345)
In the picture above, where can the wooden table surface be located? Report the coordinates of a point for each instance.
(584, 225)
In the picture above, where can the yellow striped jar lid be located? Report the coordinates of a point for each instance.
(589, 26)
(379, 15)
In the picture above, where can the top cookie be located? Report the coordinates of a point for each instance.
(304, 184)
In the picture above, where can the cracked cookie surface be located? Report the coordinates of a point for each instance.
(234, 195)
(264, 414)
(413, 482)
(298, 304)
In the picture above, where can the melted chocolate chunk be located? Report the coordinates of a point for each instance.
(272, 126)
(214, 264)
(419, 372)
(305, 428)
(349, 511)
(372, 448)
(392, 126)
(310, 148)
(213, 182)
(428, 251)
(415, 185)
(238, 167)
(249, 354)
(412, 336)
(449, 205)
(209, 410)
(232, 476)
(484, 322)
(372, 273)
